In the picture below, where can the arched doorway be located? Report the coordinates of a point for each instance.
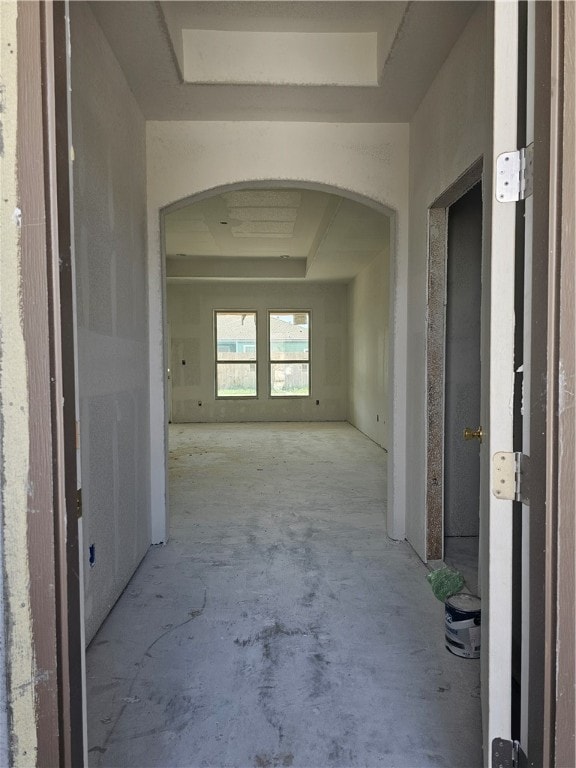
(395, 415)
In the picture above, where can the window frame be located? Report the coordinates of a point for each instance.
(272, 361)
(217, 362)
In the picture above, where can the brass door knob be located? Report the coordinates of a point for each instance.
(473, 434)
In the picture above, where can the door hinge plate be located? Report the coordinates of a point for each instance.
(514, 175)
(508, 754)
(79, 503)
(510, 476)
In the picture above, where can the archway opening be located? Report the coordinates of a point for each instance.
(293, 238)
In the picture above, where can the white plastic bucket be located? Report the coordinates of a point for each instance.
(462, 623)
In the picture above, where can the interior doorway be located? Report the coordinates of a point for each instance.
(462, 430)
(265, 247)
(453, 375)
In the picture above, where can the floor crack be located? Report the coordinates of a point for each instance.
(191, 616)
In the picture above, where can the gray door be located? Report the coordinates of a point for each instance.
(462, 376)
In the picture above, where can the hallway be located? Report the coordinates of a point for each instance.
(279, 626)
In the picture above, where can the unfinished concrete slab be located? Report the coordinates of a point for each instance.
(279, 626)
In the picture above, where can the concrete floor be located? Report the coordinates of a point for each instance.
(279, 626)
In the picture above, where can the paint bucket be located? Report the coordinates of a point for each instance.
(462, 622)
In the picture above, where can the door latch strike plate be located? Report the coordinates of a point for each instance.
(510, 476)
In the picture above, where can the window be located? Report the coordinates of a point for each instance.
(289, 335)
(236, 369)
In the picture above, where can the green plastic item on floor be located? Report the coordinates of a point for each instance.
(445, 582)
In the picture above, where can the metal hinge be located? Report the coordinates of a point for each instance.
(508, 754)
(79, 503)
(514, 175)
(510, 476)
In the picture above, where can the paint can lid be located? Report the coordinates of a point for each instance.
(464, 601)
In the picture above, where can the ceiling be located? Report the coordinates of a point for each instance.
(271, 60)
(274, 60)
(273, 233)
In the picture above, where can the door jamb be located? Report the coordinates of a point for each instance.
(47, 311)
(71, 638)
(565, 714)
(551, 706)
(435, 355)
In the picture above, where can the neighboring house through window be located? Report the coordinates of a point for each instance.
(236, 358)
(289, 348)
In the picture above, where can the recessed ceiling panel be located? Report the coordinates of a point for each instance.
(278, 198)
(262, 233)
(283, 58)
(412, 41)
(263, 229)
(254, 223)
(262, 214)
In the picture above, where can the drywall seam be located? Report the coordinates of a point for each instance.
(14, 420)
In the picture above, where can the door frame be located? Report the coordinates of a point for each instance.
(50, 730)
(565, 704)
(550, 700)
(436, 354)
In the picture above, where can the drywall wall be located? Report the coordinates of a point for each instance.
(108, 135)
(367, 162)
(191, 308)
(368, 345)
(447, 135)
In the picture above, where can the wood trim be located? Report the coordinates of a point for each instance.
(552, 400)
(565, 705)
(35, 314)
(48, 320)
(435, 356)
(544, 378)
(71, 648)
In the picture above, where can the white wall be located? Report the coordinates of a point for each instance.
(190, 313)
(447, 135)
(368, 162)
(368, 348)
(108, 135)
